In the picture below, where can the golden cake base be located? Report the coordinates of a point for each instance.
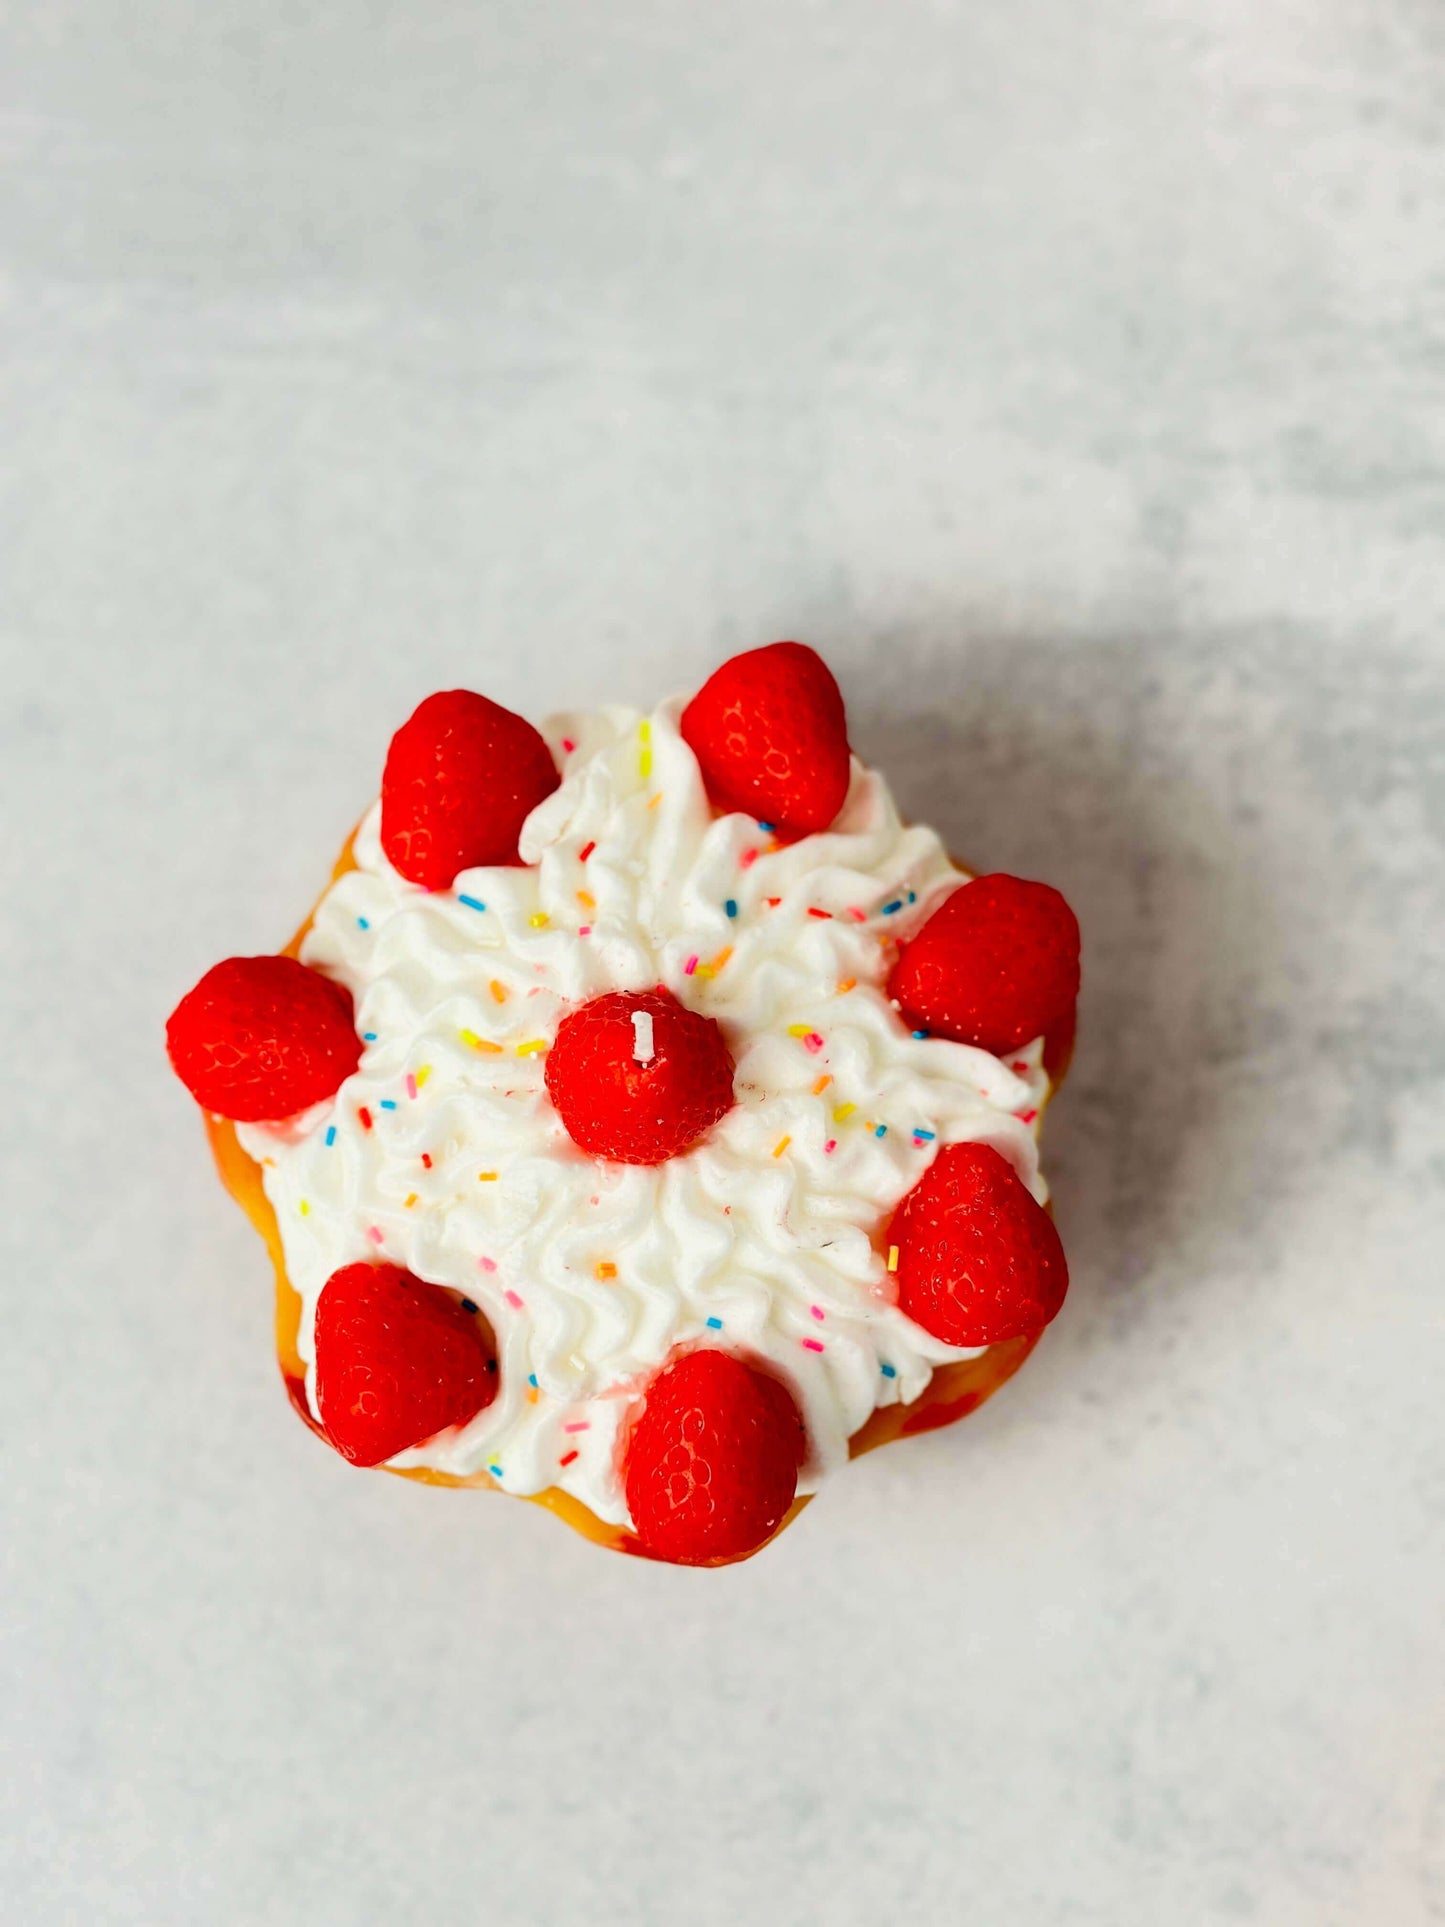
(951, 1394)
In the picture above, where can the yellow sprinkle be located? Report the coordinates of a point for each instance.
(477, 1043)
(845, 984)
(486, 1177)
(304, 1208)
(532, 1047)
(644, 731)
(539, 920)
(843, 1112)
(893, 1257)
(822, 1084)
(781, 1146)
(705, 971)
(606, 1269)
(800, 1030)
(499, 991)
(644, 764)
(422, 1075)
(587, 900)
(411, 1201)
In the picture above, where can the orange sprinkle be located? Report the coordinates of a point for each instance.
(479, 1043)
(532, 1395)
(652, 805)
(587, 900)
(722, 957)
(486, 1177)
(606, 1269)
(845, 984)
(822, 1084)
(499, 991)
(781, 1146)
(411, 1201)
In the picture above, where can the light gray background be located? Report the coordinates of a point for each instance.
(1075, 377)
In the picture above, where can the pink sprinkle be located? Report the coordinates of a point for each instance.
(817, 1310)
(373, 1232)
(812, 1345)
(747, 859)
(513, 1300)
(584, 930)
(410, 1085)
(580, 1425)
(831, 1145)
(813, 1042)
(689, 966)
(487, 1264)
(567, 746)
(1027, 1117)
(858, 916)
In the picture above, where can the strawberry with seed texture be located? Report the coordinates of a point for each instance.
(637, 1077)
(996, 965)
(260, 1038)
(712, 1466)
(979, 1259)
(771, 738)
(397, 1361)
(462, 776)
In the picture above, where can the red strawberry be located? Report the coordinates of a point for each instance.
(462, 776)
(619, 1102)
(260, 1038)
(979, 1259)
(996, 965)
(397, 1361)
(770, 734)
(712, 1466)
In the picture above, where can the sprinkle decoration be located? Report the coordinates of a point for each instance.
(567, 1457)
(893, 1257)
(368, 1037)
(714, 1324)
(920, 1136)
(605, 1269)
(539, 920)
(857, 915)
(843, 1112)
(731, 906)
(411, 1200)
(364, 1117)
(920, 1034)
(831, 1145)
(533, 1047)
(472, 903)
(825, 915)
(817, 1311)
(495, 1470)
(892, 909)
(880, 1130)
(422, 1075)
(889, 1371)
(689, 967)
(330, 1135)
(471, 1305)
(585, 852)
(845, 984)
(513, 1300)
(426, 1159)
(812, 1344)
(587, 900)
(822, 1084)
(362, 923)
(486, 1177)
(584, 930)
(374, 1232)
(304, 1208)
(747, 859)
(781, 1146)
(490, 1264)
(1028, 1117)
(578, 1425)
(470, 1038)
(567, 746)
(388, 1104)
(644, 757)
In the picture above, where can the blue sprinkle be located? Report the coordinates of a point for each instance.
(891, 909)
(767, 828)
(731, 907)
(467, 1305)
(913, 896)
(882, 1130)
(889, 1371)
(472, 903)
(368, 1037)
(495, 1470)
(927, 1136)
(330, 1135)
(388, 1104)
(532, 1380)
(714, 1324)
(362, 923)
(920, 1033)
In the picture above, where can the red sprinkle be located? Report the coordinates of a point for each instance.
(772, 902)
(826, 915)
(585, 852)
(568, 1457)
(426, 1159)
(365, 1117)
(747, 859)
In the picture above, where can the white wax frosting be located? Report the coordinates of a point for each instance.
(766, 1236)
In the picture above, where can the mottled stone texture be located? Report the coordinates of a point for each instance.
(1075, 377)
